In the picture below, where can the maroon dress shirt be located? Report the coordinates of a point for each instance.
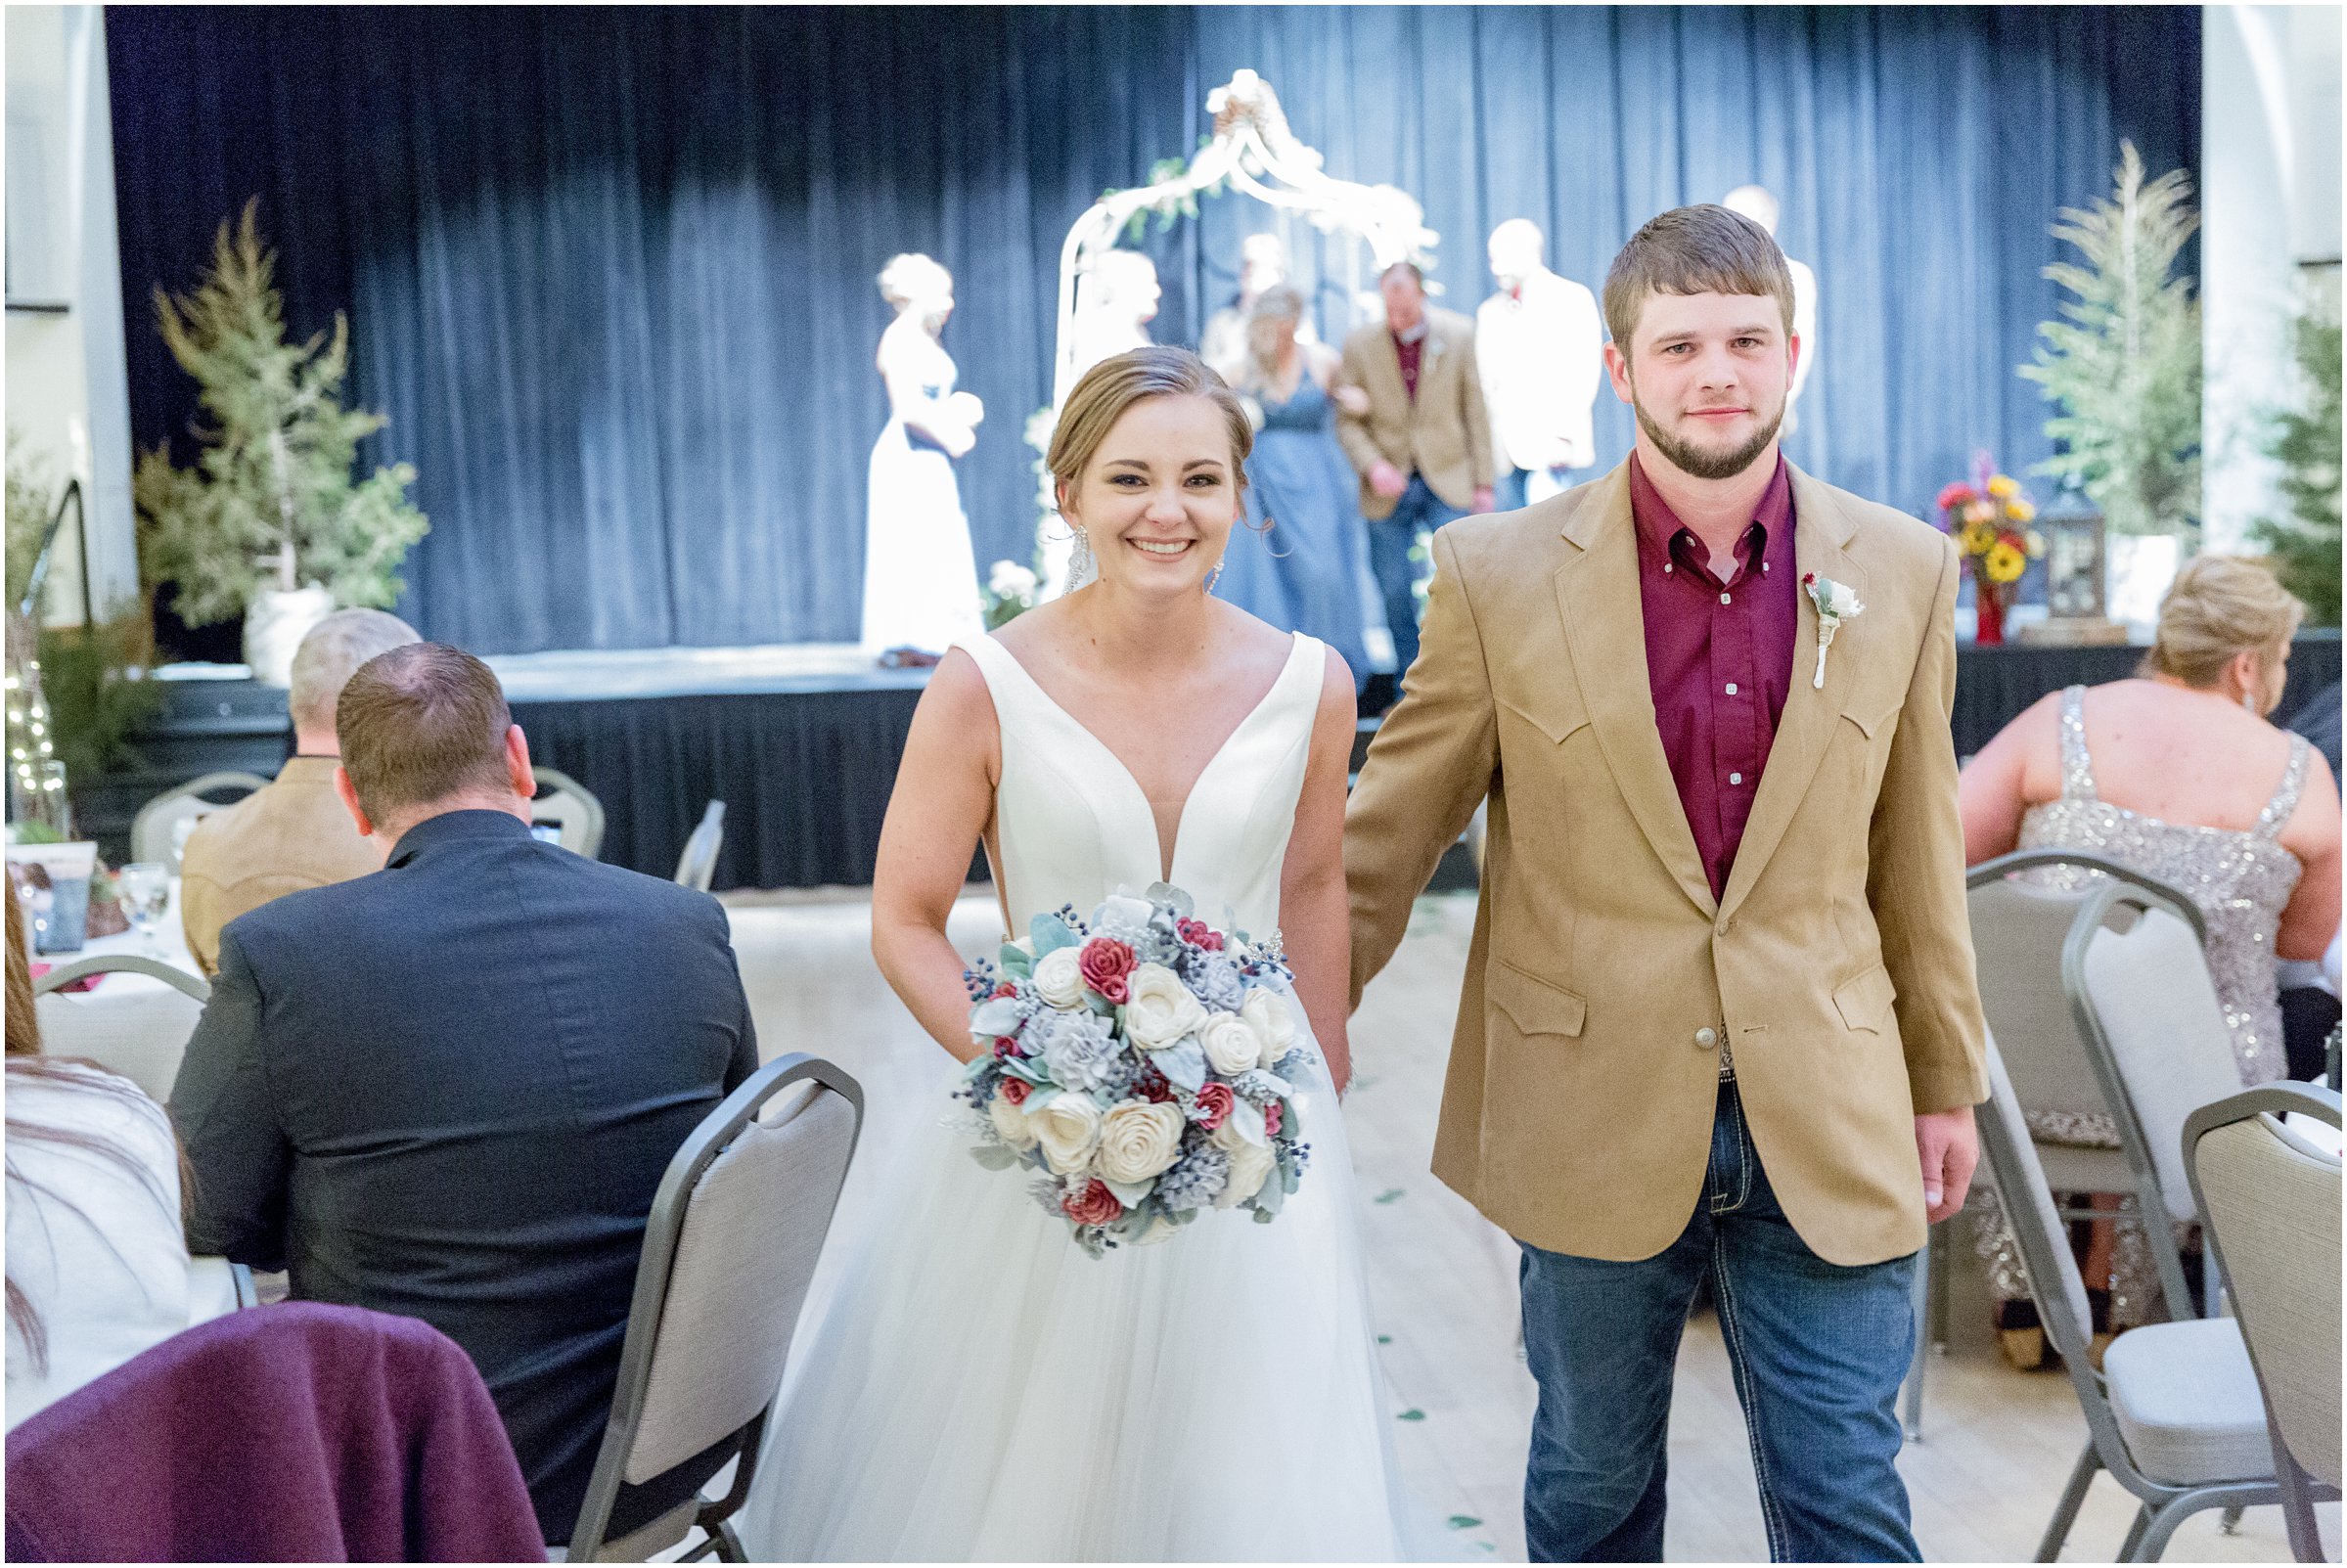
(1411, 354)
(1719, 657)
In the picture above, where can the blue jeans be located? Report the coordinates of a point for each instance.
(1390, 539)
(1818, 1353)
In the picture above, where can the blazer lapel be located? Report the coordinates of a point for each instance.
(1604, 626)
(1822, 533)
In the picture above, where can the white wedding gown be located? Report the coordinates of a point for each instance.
(981, 1389)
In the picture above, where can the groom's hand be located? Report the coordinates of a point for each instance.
(1949, 1147)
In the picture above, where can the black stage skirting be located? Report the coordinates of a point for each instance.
(805, 771)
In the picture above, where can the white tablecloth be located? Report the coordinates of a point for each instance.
(134, 1024)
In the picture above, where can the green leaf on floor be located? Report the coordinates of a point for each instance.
(1390, 1194)
(1463, 1521)
(1413, 1414)
(1485, 1546)
(1361, 1081)
(1386, 1339)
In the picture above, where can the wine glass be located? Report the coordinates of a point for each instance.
(145, 888)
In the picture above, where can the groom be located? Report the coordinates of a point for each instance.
(1719, 1016)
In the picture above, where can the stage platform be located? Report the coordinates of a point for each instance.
(802, 742)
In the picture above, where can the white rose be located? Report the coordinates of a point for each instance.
(1138, 1140)
(1068, 1128)
(1059, 979)
(1250, 1165)
(1011, 1121)
(1159, 1008)
(1232, 1047)
(1267, 1014)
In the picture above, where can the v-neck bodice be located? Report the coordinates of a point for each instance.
(1073, 825)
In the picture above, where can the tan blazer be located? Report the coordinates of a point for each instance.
(1584, 1071)
(291, 835)
(1444, 434)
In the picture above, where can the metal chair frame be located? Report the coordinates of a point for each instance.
(2300, 1492)
(662, 1230)
(200, 786)
(2164, 1506)
(64, 975)
(554, 781)
(697, 867)
(1931, 1272)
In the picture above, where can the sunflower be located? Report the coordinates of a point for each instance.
(2005, 562)
(2004, 487)
(1976, 538)
(2019, 511)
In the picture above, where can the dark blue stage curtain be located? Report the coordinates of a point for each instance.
(610, 272)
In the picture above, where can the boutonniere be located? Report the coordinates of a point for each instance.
(1836, 603)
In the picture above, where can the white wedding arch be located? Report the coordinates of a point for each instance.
(1253, 151)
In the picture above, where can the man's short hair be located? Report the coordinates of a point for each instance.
(335, 647)
(1417, 273)
(420, 724)
(1695, 251)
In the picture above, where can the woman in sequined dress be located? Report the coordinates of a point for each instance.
(2178, 774)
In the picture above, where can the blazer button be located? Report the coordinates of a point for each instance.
(1707, 1037)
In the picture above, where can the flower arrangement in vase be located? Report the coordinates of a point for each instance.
(1989, 519)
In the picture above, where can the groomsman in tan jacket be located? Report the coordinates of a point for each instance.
(1720, 1018)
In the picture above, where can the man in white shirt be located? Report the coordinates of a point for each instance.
(1754, 201)
(1541, 348)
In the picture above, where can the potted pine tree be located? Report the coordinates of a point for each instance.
(269, 522)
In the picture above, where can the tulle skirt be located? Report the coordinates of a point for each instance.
(979, 1389)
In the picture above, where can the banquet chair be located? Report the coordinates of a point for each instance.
(141, 1035)
(2144, 1003)
(2270, 1200)
(2173, 1414)
(2018, 928)
(154, 829)
(696, 868)
(571, 809)
(729, 1251)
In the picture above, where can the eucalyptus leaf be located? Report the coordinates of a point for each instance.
(1184, 1065)
(1129, 1193)
(1050, 933)
(1174, 898)
(995, 1156)
(1017, 962)
(996, 1016)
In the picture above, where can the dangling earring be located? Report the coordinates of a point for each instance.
(1215, 577)
(1081, 561)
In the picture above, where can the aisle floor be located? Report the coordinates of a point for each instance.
(1997, 1444)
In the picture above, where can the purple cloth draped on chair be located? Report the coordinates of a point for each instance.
(298, 1432)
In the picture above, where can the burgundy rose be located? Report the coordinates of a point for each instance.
(1105, 962)
(1095, 1205)
(1151, 1085)
(1212, 1106)
(1005, 1046)
(1016, 1091)
(1004, 988)
(1273, 1114)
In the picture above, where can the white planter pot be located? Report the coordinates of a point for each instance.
(275, 624)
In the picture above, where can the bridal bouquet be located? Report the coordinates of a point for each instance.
(1143, 1065)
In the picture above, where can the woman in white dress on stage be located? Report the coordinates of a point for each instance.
(981, 1388)
(921, 577)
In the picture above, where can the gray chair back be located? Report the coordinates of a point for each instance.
(571, 809)
(2271, 1201)
(2141, 997)
(2019, 925)
(2055, 1282)
(698, 866)
(141, 1035)
(729, 1251)
(153, 829)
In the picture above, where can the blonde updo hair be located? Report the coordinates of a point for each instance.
(2218, 607)
(1114, 384)
(902, 278)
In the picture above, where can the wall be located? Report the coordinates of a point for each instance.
(68, 393)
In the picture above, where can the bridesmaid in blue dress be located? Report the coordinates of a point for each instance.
(1302, 559)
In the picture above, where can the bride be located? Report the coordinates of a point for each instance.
(981, 1388)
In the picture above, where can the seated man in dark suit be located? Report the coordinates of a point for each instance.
(449, 1089)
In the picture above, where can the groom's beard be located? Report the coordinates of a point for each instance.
(1706, 462)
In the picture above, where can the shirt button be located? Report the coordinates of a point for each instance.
(1707, 1037)
(1732, 688)
(1724, 599)
(1735, 778)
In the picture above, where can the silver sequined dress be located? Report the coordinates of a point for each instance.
(2241, 879)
